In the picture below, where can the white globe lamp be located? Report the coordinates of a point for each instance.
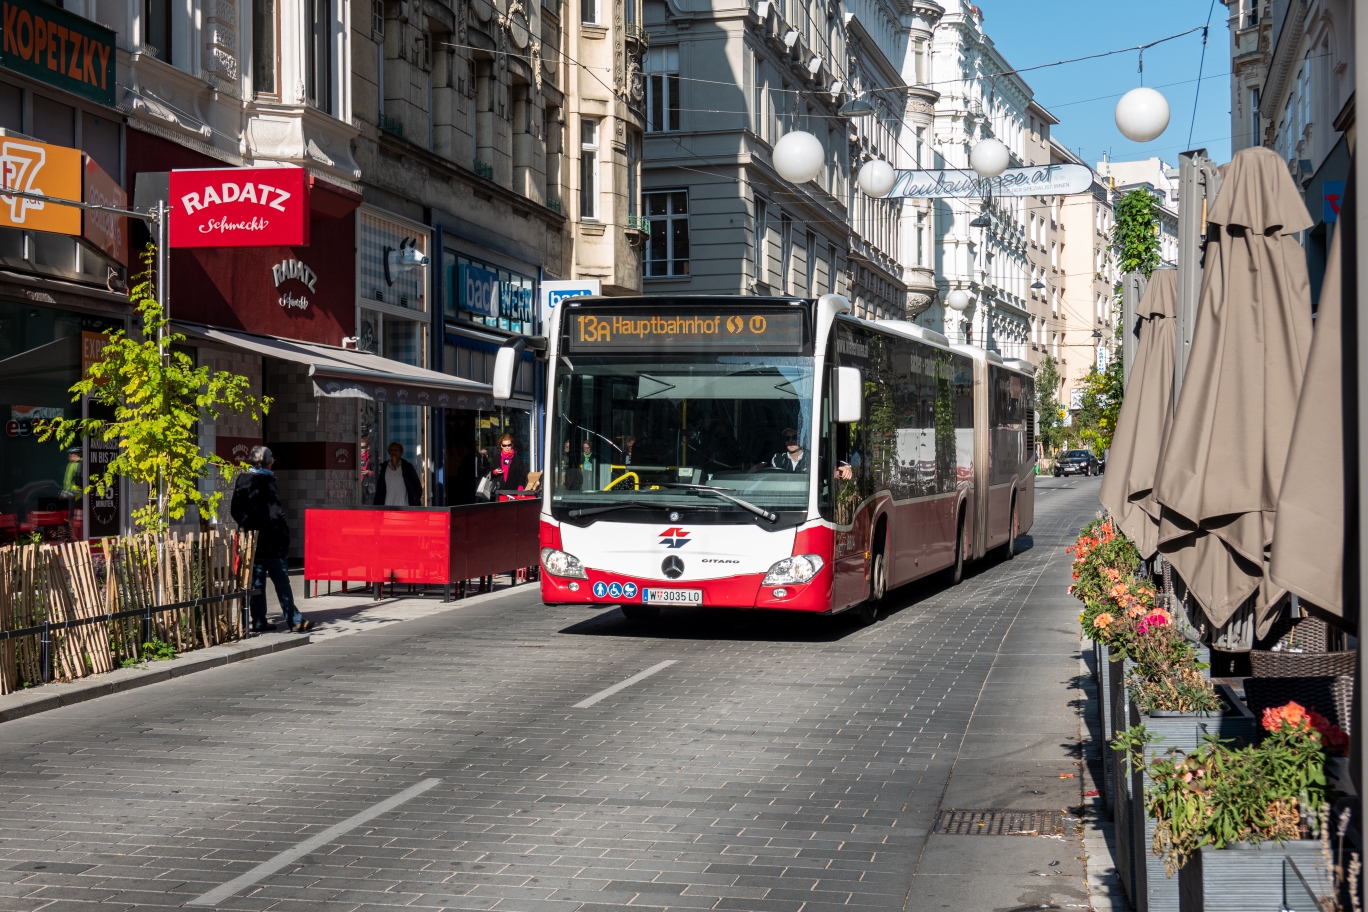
(989, 158)
(876, 178)
(957, 300)
(798, 157)
(1142, 115)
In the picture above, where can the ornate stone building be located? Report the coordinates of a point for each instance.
(918, 252)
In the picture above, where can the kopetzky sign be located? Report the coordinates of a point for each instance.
(1037, 180)
(45, 42)
(553, 292)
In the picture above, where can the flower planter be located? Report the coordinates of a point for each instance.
(1155, 891)
(1120, 784)
(1102, 677)
(1248, 878)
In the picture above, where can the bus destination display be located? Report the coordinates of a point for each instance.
(686, 329)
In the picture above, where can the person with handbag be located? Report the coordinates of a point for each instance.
(256, 507)
(510, 472)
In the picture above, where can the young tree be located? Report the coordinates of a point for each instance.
(1047, 404)
(1101, 405)
(1135, 234)
(158, 396)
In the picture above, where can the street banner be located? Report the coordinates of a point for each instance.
(239, 207)
(107, 231)
(34, 167)
(1037, 180)
(69, 52)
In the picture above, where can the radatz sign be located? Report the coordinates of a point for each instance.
(63, 50)
(239, 207)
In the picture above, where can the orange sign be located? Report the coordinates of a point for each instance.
(35, 167)
(92, 349)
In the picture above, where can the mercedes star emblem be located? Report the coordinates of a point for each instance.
(673, 567)
(674, 517)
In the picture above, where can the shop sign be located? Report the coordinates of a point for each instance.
(1037, 180)
(1334, 194)
(479, 290)
(239, 207)
(107, 231)
(63, 50)
(35, 167)
(294, 270)
(106, 512)
(553, 292)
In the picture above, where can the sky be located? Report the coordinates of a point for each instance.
(1083, 95)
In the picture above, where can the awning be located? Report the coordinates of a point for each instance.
(347, 374)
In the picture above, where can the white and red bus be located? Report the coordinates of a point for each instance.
(772, 453)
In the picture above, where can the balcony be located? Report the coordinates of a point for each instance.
(484, 169)
(640, 224)
(391, 125)
(636, 34)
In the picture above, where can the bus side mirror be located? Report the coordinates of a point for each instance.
(506, 367)
(849, 395)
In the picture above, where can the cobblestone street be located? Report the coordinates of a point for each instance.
(458, 760)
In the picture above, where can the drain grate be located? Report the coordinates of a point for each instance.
(1002, 822)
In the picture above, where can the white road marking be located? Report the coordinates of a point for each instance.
(608, 692)
(266, 868)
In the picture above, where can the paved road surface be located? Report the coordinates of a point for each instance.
(460, 761)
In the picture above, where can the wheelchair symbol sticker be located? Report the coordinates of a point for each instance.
(600, 589)
(615, 590)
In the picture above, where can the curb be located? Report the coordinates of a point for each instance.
(54, 696)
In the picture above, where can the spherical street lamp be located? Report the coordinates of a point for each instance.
(1142, 114)
(877, 177)
(798, 157)
(989, 158)
(957, 300)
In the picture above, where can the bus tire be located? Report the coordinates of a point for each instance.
(957, 568)
(1009, 549)
(868, 612)
(640, 612)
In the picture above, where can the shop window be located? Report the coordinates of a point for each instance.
(54, 122)
(667, 249)
(11, 107)
(100, 140)
(319, 56)
(383, 239)
(264, 47)
(662, 89)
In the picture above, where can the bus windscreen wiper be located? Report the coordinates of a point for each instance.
(722, 493)
(628, 504)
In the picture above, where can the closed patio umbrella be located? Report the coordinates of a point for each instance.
(1308, 535)
(1222, 463)
(1127, 488)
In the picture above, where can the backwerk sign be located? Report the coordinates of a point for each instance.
(1037, 180)
(239, 207)
(63, 50)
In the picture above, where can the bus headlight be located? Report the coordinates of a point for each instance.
(791, 570)
(558, 563)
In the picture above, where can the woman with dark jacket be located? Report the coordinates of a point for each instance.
(256, 507)
(510, 472)
(396, 481)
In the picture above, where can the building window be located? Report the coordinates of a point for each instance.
(667, 251)
(761, 238)
(919, 61)
(589, 180)
(785, 253)
(318, 62)
(831, 269)
(589, 12)
(264, 46)
(662, 89)
(633, 178)
(1254, 116)
(157, 28)
(810, 264)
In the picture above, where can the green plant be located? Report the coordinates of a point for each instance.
(158, 397)
(155, 650)
(1135, 235)
(1047, 382)
(1101, 407)
(1100, 548)
(1224, 793)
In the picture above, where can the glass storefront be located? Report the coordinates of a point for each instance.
(41, 356)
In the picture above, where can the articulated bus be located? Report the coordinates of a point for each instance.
(772, 453)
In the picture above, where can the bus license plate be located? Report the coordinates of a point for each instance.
(672, 596)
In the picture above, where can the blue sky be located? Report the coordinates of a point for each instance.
(1031, 32)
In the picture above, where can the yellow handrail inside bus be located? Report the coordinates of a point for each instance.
(636, 481)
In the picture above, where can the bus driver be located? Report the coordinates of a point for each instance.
(794, 457)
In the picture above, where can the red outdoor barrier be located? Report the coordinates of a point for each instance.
(420, 545)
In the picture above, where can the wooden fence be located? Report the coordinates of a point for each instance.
(124, 582)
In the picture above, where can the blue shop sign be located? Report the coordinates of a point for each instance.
(480, 291)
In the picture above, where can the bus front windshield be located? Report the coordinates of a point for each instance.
(637, 431)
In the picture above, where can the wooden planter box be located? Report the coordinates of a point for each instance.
(1155, 891)
(1246, 878)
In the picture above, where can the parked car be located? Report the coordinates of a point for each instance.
(1076, 462)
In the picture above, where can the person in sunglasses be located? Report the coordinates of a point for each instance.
(510, 472)
(794, 457)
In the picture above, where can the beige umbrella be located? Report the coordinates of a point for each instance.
(1222, 463)
(1308, 536)
(1127, 488)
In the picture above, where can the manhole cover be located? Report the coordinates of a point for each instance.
(990, 822)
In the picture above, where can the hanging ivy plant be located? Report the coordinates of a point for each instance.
(1135, 236)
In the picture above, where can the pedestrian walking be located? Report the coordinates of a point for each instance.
(257, 508)
(510, 471)
(397, 483)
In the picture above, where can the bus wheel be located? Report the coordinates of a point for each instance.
(1009, 549)
(878, 587)
(957, 569)
(640, 612)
